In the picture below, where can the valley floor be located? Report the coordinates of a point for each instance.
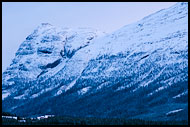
(58, 120)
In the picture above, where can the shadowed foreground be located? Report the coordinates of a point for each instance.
(58, 120)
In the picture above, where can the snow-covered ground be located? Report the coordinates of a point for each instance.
(84, 90)
(181, 94)
(174, 111)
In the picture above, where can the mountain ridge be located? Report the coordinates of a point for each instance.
(88, 73)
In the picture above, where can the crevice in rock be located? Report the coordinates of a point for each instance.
(51, 65)
(144, 57)
(44, 51)
(68, 53)
(43, 72)
(54, 64)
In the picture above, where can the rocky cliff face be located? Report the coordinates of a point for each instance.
(42, 55)
(138, 71)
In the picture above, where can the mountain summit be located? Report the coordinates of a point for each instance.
(138, 71)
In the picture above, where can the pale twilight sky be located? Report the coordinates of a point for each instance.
(21, 18)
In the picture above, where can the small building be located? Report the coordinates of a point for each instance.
(45, 117)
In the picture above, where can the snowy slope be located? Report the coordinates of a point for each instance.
(138, 71)
(158, 42)
(44, 53)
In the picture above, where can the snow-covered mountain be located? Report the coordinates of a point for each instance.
(138, 71)
(42, 55)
